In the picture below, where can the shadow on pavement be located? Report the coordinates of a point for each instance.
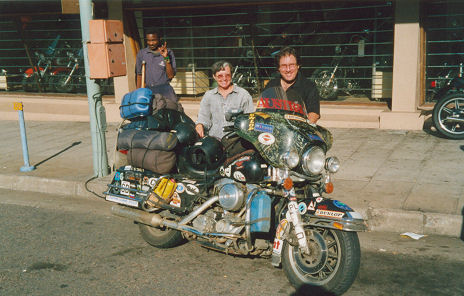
(58, 153)
(430, 129)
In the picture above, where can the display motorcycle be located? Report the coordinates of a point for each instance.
(448, 112)
(265, 201)
(67, 79)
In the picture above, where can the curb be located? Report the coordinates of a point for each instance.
(378, 219)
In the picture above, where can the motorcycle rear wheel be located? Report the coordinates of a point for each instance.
(332, 266)
(448, 116)
(161, 238)
(328, 90)
(57, 82)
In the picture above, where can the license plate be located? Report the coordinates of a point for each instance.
(121, 200)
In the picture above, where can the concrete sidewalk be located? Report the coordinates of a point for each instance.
(401, 181)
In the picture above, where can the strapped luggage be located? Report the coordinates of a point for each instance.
(137, 103)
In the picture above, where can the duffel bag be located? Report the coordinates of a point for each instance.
(154, 140)
(158, 161)
(137, 103)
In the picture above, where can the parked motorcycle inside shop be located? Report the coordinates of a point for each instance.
(267, 198)
(69, 78)
(40, 73)
(448, 112)
(345, 73)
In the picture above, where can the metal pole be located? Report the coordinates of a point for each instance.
(26, 167)
(96, 109)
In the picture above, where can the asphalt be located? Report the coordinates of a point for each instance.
(400, 181)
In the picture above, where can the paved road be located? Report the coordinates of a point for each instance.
(54, 245)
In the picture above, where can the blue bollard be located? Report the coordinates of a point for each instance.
(26, 167)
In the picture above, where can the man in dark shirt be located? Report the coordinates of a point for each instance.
(287, 62)
(160, 62)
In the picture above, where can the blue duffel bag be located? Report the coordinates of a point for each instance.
(137, 103)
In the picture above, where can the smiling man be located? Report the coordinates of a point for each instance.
(215, 102)
(287, 62)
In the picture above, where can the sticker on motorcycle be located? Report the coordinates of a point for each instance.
(265, 128)
(239, 176)
(302, 208)
(319, 199)
(355, 215)
(266, 139)
(124, 184)
(251, 123)
(341, 205)
(152, 182)
(330, 214)
(294, 117)
(117, 176)
(281, 228)
(277, 247)
(227, 171)
(175, 201)
(311, 206)
(262, 115)
(180, 188)
(192, 189)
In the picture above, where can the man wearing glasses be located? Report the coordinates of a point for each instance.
(215, 102)
(287, 62)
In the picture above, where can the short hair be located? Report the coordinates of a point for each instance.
(221, 65)
(153, 31)
(286, 51)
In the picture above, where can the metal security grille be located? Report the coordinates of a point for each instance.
(346, 46)
(443, 23)
(51, 44)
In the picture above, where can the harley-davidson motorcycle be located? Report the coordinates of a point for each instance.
(265, 201)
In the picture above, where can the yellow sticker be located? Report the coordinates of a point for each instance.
(18, 106)
(263, 115)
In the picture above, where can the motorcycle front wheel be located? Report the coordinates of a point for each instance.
(448, 116)
(332, 266)
(328, 89)
(161, 238)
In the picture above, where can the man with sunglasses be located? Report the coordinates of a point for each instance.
(160, 62)
(287, 62)
(224, 97)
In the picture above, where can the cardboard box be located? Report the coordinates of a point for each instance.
(190, 83)
(106, 31)
(106, 60)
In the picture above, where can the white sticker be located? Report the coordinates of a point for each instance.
(239, 176)
(192, 189)
(330, 214)
(355, 215)
(180, 188)
(125, 184)
(227, 171)
(175, 201)
(311, 206)
(266, 139)
(123, 201)
(277, 247)
(152, 182)
(319, 199)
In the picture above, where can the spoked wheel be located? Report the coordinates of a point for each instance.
(328, 88)
(448, 116)
(59, 83)
(330, 268)
(161, 238)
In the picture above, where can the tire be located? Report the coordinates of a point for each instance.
(161, 238)
(57, 83)
(328, 90)
(448, 116)
(332, 267)
(29, 84)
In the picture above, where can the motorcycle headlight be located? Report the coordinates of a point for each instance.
(313, 161)
(291, 159)
(332, 164)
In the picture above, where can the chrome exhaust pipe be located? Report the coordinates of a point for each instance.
(139, 216)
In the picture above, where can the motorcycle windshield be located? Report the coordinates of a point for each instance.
(276, 99)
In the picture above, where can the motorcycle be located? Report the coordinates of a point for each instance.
(448, 112)
(41, 71)
(67, 79)
(266, 200)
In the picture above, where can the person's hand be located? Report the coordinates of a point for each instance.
(163, 49)
(200, 130)
(313, 117)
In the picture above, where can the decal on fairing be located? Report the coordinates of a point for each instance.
(319, 199)
(152, 182)
(354, 215)
(294, 117)
(192, 189)
(262, 115)
(227, 171)
(265, 128)
(302, 208)
(180, 188)
(251, 124)
(330, 214)
(175, 201)
(279, 104)
(266, 139)
(311, 206)
(239, 176)
(341, 205)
